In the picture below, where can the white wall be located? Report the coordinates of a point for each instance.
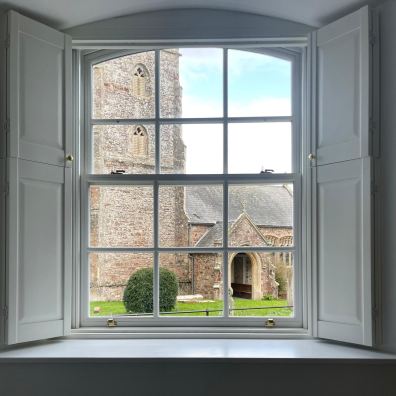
(387, 15)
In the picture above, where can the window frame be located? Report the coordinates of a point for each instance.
(83, 60)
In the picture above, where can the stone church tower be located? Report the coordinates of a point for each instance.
(122, 216)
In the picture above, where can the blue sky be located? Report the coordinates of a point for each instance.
(259, 85)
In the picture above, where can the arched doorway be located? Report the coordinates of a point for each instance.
(252, 277)
(242, 276)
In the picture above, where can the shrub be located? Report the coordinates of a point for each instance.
(282, 281)
(138, 294)
(168, 289)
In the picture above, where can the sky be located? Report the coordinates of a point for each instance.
(258, 85)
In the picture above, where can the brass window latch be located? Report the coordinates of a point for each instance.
(269, 323)
(111, 322)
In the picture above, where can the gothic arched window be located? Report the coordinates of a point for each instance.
(140, 80)
(139, 141)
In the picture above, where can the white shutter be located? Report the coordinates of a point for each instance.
(343, 89)
(38, 203)
(343, 202)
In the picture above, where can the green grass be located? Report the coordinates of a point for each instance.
(108, 308)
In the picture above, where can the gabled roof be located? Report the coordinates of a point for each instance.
(266, 205)
(215, 233)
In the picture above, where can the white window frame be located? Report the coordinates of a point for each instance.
(83, 60)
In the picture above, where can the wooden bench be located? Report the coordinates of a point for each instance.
(242, 290)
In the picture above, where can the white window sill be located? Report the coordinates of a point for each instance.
(77, 350)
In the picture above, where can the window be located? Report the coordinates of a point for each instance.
(208, 195)
(139, 141)
(168, 229)
(140, 78)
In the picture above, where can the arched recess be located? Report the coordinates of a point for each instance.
(187, 23)
(256, 268)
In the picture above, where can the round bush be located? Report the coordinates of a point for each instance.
(138, 294)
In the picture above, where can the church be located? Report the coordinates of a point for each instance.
(189, 216)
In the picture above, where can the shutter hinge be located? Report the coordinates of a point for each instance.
(374, 187)
(6, 125)
(372, 39)
(5, 312)
(371, 125)
(6, 188)
(7, 41)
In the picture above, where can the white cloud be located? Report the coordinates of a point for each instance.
(263, 107)
(256, 147)
(252, 147)
(204, 148)
(194, 106)
(198, 64)
(240, 62)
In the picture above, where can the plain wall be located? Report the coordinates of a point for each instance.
(198, 379)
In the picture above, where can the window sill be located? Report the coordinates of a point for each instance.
(77, 350)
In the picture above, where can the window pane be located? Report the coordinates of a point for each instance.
(255, 147)
(199, 284)
(191, 216)
(124, 87)
(108, 279)
(192, 148)
(123, 148)
(260, 215)
(121, 216)
(192, 82)
(261, 284)
(258, 85)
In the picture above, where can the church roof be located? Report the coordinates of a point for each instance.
(267, 205)
(213, 235)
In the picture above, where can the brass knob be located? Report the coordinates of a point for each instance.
(311, 157)
(69, 157)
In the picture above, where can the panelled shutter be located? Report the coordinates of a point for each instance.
(342, 174)
(38, 202)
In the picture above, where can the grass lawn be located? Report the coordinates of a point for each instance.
(108, 308)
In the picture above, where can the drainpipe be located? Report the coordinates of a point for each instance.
(192, 274)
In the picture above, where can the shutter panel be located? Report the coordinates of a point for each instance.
(38, 204)
(343, 201)
(344, 251)
(343, 89)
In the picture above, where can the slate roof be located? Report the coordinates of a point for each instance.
(267, 205)
(215, 233)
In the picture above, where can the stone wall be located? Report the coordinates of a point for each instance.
(208, 275)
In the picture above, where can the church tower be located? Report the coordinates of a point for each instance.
(124, 88)
(122, 216)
